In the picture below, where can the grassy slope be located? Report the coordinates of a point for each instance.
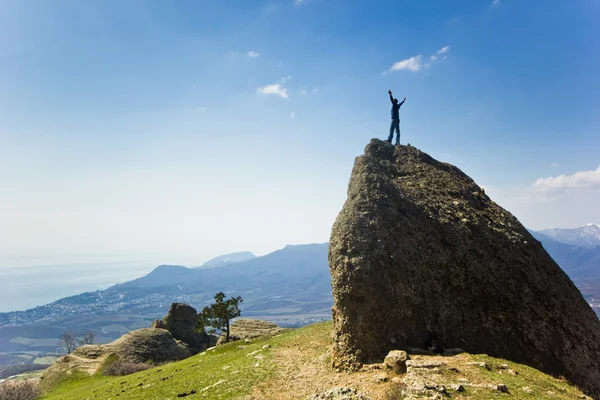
(291, 354)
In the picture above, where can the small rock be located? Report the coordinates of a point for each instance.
(458, 388)
(396, 380)
(396, 361)
(259, 357)
(527, 389)
(453, 352)
(511, 372)
(241, 347)
(424, 364)
(266, 346)
(340, 393)
(381, 378)
(479, 364)
(246, 341)
(500, 387)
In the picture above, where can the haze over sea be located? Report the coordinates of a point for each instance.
(29, 282)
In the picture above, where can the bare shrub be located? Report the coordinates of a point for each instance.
(121, 368)
(19, 390)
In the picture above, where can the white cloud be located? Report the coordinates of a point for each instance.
(495, 2)
(253, 54)
(443, 50)
(302, 91)
(433, 58)
(233, 53)
(411, 64)
(292, 115)
(554, 165)
(275, 88)
(581, 179)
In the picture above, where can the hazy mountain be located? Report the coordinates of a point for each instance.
(576, 261)
(229, 259)
(583, 236)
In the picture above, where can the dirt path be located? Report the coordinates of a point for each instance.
(302, 372)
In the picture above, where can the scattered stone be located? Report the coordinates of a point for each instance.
(340, 393)
(381, 378)
(253, 353)
(266, 346)
(396, 361)
(241, 347)
(246, 341)
(457, 387)
(527, 389)
(480, 364)
(259, 357)
(213, 385)
(424, 364)
(499, 387)
(397, 380)
(371, 367)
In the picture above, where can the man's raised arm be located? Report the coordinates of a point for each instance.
(391, 97)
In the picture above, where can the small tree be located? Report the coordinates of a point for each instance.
(87, 337)
(221, 312)
(67, 341)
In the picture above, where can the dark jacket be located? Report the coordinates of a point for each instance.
(395, 109)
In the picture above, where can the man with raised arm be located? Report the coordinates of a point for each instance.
(395, 118)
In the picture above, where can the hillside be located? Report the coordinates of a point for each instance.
(297, 365)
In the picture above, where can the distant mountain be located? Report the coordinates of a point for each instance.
(584, 236)
(576, 261)
(229, 259)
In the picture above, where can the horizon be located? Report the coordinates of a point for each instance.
(164, 131)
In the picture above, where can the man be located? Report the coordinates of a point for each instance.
(395, 118)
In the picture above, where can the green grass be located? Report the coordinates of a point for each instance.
(542, 386)
(238, 375)
(227, 363)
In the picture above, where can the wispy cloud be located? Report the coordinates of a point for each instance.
(495, 3)
(253, 54)
(410, 64)
(416, 64)
(292, 115)
(275, 88)
(581, 179)
(554, 165)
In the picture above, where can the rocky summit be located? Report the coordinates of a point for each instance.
(421, 257)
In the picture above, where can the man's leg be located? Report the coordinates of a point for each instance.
(391, 132)
(398, 132)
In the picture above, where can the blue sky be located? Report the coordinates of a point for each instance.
(182, 130)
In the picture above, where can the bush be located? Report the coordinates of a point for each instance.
(122, 368)
(19, 390)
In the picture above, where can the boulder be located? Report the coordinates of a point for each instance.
(396, 361)
(421, 257)
(244, 328)
(182, 322)
(139, 346)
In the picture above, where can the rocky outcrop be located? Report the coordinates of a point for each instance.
(139, 346)
(421, 257)
(246, 328)
(182, 322)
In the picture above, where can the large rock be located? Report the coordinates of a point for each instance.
(139, 346)
(246, 328)
(421, 257)
(182, 322)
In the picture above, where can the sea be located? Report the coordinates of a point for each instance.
(25, 284)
